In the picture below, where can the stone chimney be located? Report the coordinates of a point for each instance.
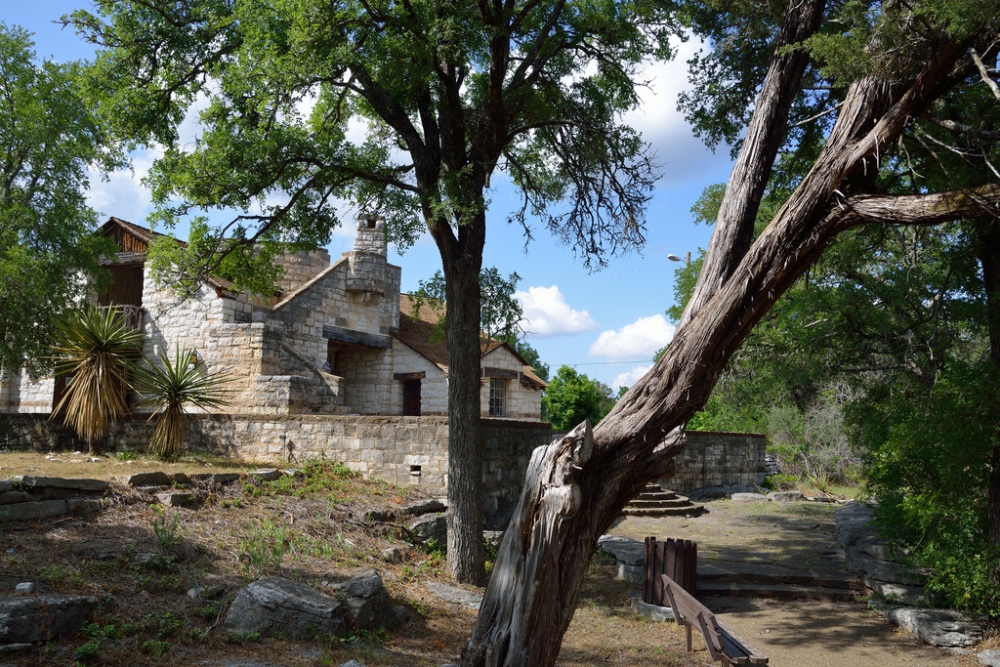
(371, 235)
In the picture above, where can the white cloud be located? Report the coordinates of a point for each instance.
(546, 313)
(629, 378)
(641, 338)
(682, 155)
(123, 194)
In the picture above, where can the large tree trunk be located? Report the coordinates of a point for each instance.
(741, 202)
(462, 261)
(577, 486)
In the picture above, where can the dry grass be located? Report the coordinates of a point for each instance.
(140, 561)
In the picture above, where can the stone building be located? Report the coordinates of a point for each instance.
(334, 340)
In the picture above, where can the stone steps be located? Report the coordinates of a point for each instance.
(743, 575)
(657, 501)
(776, 591)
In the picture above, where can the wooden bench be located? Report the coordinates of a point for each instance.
(723, 644)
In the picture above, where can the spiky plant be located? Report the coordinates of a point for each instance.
(96, 351)
(170, 388)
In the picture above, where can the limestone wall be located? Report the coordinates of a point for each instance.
(301, 267)
(433, 386)
(21, 393)
(712, 459)
(523, 402)
(401, 450)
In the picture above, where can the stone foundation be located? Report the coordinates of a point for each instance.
(406, 451)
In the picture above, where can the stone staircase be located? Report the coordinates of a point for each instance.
(825, 583)
(657, 501)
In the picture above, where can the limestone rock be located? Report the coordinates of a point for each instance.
(652, 611)
(392, 555)
(749, 498)
(786, 496)
(898, 593)
(265, 474)
(431, 527)
(25, 588)
(42, 617)
(366, 599)
(421, 507)
(276, 605)
(455, 595)
(176, 498)
(990, 658)
(11, 497)
(352, 663)
(216, 478)
(148, 479)
(32, 482)
(940, 627)
(43, 509)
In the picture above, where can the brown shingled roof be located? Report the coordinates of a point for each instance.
(418, 332)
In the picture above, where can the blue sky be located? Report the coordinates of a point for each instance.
(608, 323)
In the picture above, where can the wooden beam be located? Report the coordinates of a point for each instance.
(343, 335)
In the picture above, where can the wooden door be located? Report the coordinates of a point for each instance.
(411, 398)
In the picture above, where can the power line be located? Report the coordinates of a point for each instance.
(606, 363)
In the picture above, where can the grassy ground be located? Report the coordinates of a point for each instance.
(140, 561)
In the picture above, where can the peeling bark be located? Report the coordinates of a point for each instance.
(734, 229)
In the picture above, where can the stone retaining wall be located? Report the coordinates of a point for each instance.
(401, 450)
(730, 461)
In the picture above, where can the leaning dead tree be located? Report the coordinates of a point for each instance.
(575, 487)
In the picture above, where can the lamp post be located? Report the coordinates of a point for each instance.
(674, 258)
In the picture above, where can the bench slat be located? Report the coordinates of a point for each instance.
(722, 643)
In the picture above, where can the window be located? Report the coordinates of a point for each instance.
(498, 397)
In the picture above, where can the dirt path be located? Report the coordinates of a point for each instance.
(791, 634)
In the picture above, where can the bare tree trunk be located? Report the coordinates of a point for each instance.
(741, 202)
(577, 486)
(465, 468)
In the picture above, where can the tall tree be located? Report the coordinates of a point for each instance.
(534, 89)
(572, 397)
(871, 71)
(48, 139)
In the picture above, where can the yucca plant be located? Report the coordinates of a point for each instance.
(97, 352)
(170, 388)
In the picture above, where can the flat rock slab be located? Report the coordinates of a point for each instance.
(421, 507)
(33, 511)
(274, 605)
(265, 474)
(176, 498)
(148, 479)
(40, 618)
(32, 482)
(990, 658)
(625, 550)
(940, 627)
(749, 498)
(786, 496)
(11, 497)
(455, 595)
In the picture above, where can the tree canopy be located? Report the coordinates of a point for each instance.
(572, 397)
(48, 139)
(408, 109)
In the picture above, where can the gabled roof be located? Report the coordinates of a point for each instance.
(135, 239)
(419, 332)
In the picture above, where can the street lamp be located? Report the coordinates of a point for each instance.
(674, 258)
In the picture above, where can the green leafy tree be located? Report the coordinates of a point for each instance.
(534, 90)
(96, 351)
(500, 315)
(572, 398)
(171, 388)
(48, 139)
